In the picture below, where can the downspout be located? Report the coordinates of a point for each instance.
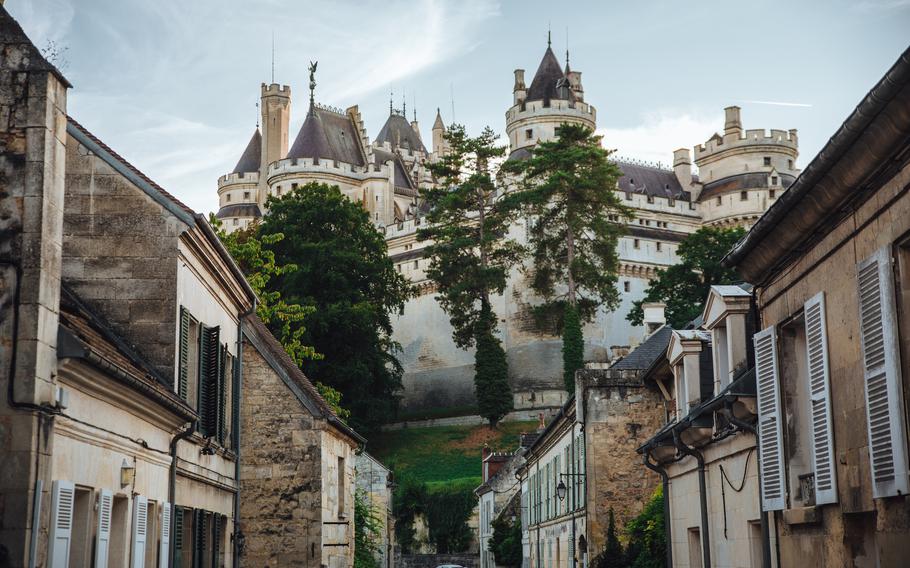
(237, 389)
(172, 483)
(762, 515)
(702, 496)
(662, 472)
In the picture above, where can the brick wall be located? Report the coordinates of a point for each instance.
(120, 254)
(280, 502)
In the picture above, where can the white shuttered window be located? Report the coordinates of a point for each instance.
(770, 436)
(140, 530)
(165, 543)
(61, 535)
(103, 536)
(820, 399)
(881, 374)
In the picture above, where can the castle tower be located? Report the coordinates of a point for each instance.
(554, 97)
(276, 116)
(742, 172)
(439, 132)
(238, 191)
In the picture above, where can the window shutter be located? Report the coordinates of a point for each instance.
(235, 402)
(216, 539)
(140, 528)
(178, 537)
(199, 538)
(881, 371)
(770, 435)
(183, 370)
(820, 397)
(61, 533)
(208, 380)
(103, 544)
(222, 378)
(164, 547)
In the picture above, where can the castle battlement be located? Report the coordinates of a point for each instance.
(276, 89)
(245, 178)
(536, 109)
(403, 228)
(325, 166)
(787, 140)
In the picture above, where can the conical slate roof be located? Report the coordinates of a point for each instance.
(399, 133)
(549, 74)
(327, 135)
(249, 160)
(438, 123)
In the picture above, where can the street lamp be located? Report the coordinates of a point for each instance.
(561, 490)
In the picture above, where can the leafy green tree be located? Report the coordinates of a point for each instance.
(408, 501)
(568, 187)
(470, 255)
(367, 531)
(344, 272)
(684, 287)
(647, 539)
(505, 544)
(612, 556)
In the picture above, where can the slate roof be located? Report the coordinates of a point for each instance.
(648, 180)
(328, 135)
(249, 160)
(397, 131)
(644, 356)
(520, 154)
(403, 180)
(739, 182)
(83, 334)
(11, 34)
(239, 210)
(545, 82)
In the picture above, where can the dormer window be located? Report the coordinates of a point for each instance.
(773, 180)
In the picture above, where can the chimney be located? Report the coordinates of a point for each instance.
(541, 423)
(732, 122)
(519, 90)
(682, 167)
(575, 82)
(654, 316)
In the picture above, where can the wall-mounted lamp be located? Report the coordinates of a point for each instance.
(561, 490)
(127, 473)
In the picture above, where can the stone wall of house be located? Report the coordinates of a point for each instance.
(280, 448)
(32, 139)
(620, 413)
(120, 254)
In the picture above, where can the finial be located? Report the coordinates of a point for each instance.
(404, 105)
(312, 68)
(257, 115)
(549, 36)
(391, 96)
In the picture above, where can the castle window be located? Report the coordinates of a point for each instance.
(771, 193)
(650, 199)
(235, 222)
(529, 133)
(743, 195)
(658, 246)
(227, 197)
(671, 202)
(719, 200)
(293, 186)
(635, 243)
(773, 180)
(790, 164)
(246, 194)
(398, 266)
(767, 160)
(415, 263)
(628, 196)
(626, 286)
(278, 190)
(631, 181)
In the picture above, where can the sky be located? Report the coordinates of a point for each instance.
(172, 85)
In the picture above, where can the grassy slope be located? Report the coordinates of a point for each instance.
(443, 455)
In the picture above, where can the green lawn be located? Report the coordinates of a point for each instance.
(443, 455)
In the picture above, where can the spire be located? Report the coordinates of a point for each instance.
(438, 124)
(404, 105)
(549, 36)
(257, 115)
(391, 97)
(312, 68)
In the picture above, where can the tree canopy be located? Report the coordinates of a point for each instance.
(684, 287)
(344, 273)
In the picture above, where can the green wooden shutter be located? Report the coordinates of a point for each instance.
(183, 369)
(199, 538)
(178, 537)
(235, 403)
(208, 381)
(216, 539)
(220, 395)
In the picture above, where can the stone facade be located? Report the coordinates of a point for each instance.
(376, 482)
(296, 509)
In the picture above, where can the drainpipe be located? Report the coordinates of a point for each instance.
(646, 459)
(172, 482)
(702, 496)
(762, 515)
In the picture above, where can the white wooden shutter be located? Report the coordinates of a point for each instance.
(140, 530)
(164, 549)
(61, 535)
(103, 536)
(881, 372)
(820, 400)
(770, 432)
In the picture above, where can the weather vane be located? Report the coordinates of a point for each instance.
(312, 68)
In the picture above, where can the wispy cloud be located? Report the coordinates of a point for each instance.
(779, 103)
(659, 133)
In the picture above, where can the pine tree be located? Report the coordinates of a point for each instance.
(470, 256)
(567, 186)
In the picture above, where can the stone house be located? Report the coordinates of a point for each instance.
(584, 463)
(705, 454)
(376, 482)
(831, 267)
(297, 471)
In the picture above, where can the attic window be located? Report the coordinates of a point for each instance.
(667, 186)
(631, 181)
(767, 160)
(773, 180)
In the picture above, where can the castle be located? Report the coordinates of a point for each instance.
(740, 174)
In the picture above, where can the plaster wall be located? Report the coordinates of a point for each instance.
(337, 522)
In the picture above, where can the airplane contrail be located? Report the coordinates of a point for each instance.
(779, 103)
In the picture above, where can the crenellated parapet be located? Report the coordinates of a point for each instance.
(752, 140)
(242, 178)
(312, 167)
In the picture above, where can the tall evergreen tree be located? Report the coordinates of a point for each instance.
(470, 255)
(345, 273)
(568, 187)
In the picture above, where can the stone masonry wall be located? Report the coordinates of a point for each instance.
(621, 412)
(280, 501)
(32, 138)
(120, 255)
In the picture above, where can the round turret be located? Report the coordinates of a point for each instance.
(743, 172)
